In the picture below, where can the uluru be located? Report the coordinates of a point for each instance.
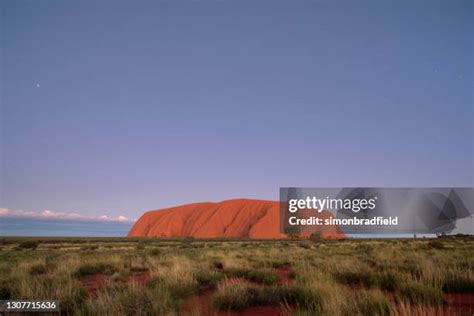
(240, 218)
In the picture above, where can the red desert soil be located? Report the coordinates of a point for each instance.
(92, 283)
(285, 275)
(242, 218)
(461, 303)
(202, 303)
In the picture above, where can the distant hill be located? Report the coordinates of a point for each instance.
(242, 218)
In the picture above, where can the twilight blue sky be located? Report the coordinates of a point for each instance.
(120, 107)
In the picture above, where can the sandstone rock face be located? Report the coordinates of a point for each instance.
(242, 218)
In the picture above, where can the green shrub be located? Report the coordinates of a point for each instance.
(292, 232)
(366, 278)
(236, 297)
(39, 269)
(262, 277)
(217, 265)
(458, 284)
(206, 277)
(178, 290)
(373, 303)
(242, 296)
(436, 244)
(207, 280)
(28, 244)
(73, 300)
(304, 245)
(98, 268)
(155, 252)
(280, 264)
(387, 281)
(420, 293)
(127, 300)
(90, 247)
(292, 295)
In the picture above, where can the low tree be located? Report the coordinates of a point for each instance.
(315, 236)
(292, 232)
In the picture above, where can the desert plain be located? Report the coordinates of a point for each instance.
(191, 276)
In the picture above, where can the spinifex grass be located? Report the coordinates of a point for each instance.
(366, 277)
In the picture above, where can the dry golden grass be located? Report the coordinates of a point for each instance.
(369, 277)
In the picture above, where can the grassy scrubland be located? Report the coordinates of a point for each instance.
(158, 276)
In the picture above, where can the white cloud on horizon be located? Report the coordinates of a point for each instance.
(122, 218)
(4, 212)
